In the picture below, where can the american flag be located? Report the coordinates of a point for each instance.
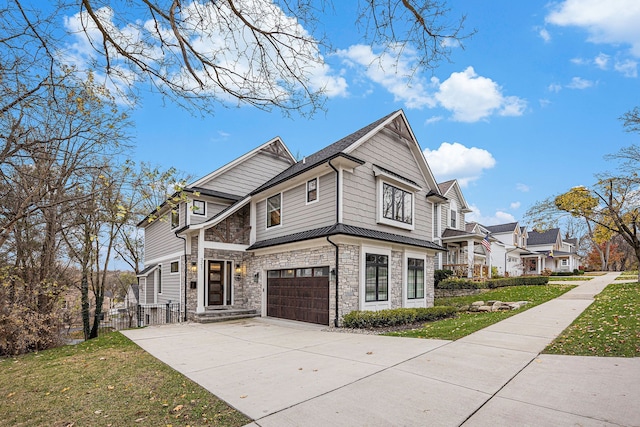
(486, 243)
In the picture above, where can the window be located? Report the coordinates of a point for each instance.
(159, 279)
(312, 190)
(273, 210)
(174, 267)
(565, 262)
(397, 204)
(377, 278)
(453, 214)
(415, 278)
(175, 217)
(199, 207)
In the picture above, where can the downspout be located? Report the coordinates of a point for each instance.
(185, 276)
(337, 261)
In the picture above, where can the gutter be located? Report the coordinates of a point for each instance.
(337, 261)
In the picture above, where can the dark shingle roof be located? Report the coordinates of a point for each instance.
(501, 228)
(572, 241)
(214, 193)
(147, 270)
(348, 230)
(445, 186)
(548, 237)
(323, 155)
(452, 232)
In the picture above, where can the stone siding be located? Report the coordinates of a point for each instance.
(234, 229)
(349, 277)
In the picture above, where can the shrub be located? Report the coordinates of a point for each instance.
(440, 275)
(396, 316)
(516, 281)
(454, 284)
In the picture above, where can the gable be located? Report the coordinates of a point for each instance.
(246, 173)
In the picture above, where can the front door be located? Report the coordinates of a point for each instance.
(216, 282)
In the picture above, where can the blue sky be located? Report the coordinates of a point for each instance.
(526, 110)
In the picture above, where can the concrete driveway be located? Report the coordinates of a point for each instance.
(283, 373)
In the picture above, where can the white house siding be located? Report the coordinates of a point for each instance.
(297, 215)
(248, 175)
(389, 151)
(160, 240)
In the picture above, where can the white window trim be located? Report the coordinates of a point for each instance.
(416, 302)
(157, 274)
(380, 211)
(306, 191)
(197, 212)
(374, 305)
(174, 272)
(177, 209)
(266, 211)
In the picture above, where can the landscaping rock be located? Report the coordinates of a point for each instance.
(477, 303)
(484, 308)
(495, 306)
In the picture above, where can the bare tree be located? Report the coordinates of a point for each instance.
(267, 54)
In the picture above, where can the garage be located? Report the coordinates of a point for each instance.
(299, 294)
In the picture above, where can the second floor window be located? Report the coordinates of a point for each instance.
(397, 204)
(273, 210)
(175, 217)
(199, 207)
(453, 214)
(312, 190)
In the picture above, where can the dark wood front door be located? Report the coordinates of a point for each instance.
(295, 296)
(216, 282)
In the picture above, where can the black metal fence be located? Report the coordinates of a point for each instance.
(135, 316)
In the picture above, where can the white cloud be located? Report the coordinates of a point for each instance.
(457, 161)
(544, 34)
(394, 73)
(433, 119)
(472, 97)
(554, 87)
(522, 187)
(499, 217)
(544, 102)
(610, 22)
(579, 61)
(628, 67)
(601, 61)
(579, 83)
(514, 205)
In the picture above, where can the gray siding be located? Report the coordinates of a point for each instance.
(170, 283)
(212, 210)
(160, 240)
(297, 215)
(390, 152)
(248, 175)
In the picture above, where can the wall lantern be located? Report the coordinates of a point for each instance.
(238, 269)
(194, 267)
(256, 277)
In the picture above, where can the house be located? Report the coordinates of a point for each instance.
(465, 256)
(350, 227)
(509, 244)
(550, 252)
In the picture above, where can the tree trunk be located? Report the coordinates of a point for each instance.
(84, 297)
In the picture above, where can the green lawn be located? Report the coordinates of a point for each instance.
(108, 381)
(608, 327)
(467, 323)
(570, 278)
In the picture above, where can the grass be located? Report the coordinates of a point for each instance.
(608, 327)
(569, 278)
(106, 381)
(467, 323)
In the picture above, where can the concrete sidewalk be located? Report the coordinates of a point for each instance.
(291, 374)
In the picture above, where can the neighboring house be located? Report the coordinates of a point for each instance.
(550, 251)
(465, 256)
(509, 245)
(350, 227)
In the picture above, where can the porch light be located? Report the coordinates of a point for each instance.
(238, 269)
(256, 277)
(194, 267)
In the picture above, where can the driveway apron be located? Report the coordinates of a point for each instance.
(282, 373)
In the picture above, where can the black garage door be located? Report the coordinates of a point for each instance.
(299, 294)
